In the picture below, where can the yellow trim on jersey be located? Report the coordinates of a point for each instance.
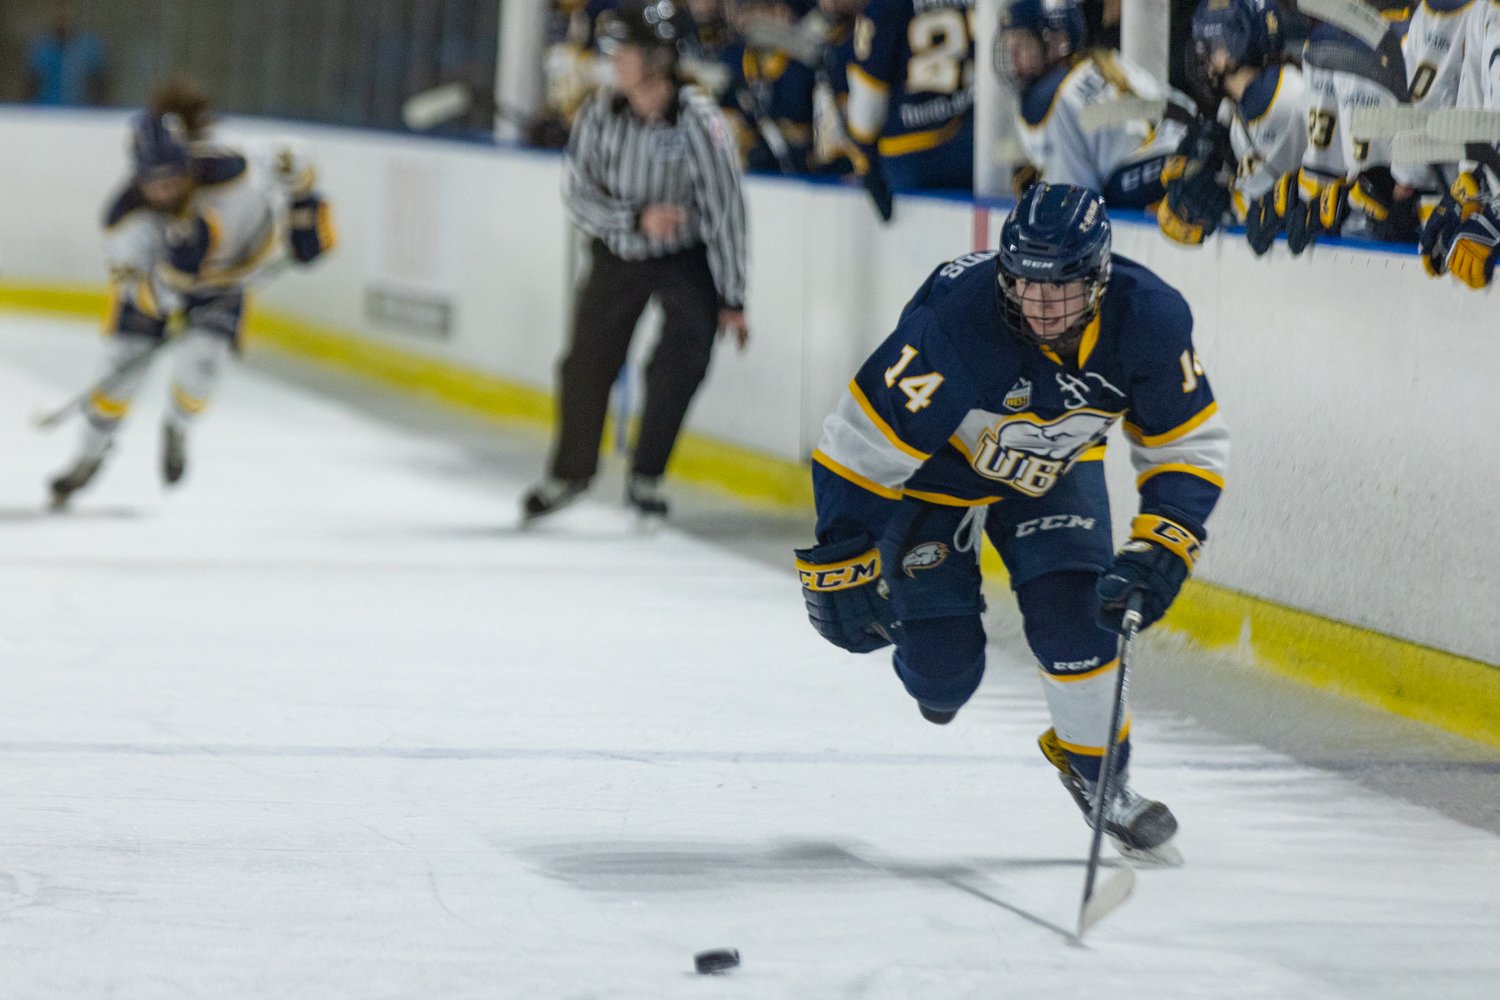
(1462, 8)
(944, 500)
(1251, 121)
(883, 427)
(109, 407)
(962, 448)
(867, 80)
(1084, 751)
(1094, 454)
(919, 142)
(189, 404)
(145, 299)
(1085, 346)
(1072, 678)
(1191, 470)
(846, 473)
(1176, 433)
(1052, 105)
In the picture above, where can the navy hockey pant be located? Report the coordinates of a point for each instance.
(1054, 548)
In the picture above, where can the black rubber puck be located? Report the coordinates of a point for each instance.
(718, 960)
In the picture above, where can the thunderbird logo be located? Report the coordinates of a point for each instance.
(928, 555)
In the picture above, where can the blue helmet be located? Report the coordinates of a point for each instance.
(159, 146)
(1248, 30)
(1058, 25)
(1056, 235)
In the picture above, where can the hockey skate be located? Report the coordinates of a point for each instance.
(173, 453)
(550, 496)
(1141, 829)
(643, 494)
(75, 479)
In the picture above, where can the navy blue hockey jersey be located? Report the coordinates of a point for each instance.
(954, 408)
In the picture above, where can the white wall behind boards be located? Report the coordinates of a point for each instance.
(1360, 393)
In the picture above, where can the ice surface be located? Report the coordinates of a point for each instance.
(322, 724)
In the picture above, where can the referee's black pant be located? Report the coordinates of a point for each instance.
(609, 304)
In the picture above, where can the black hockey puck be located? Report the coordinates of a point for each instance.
(718, 960)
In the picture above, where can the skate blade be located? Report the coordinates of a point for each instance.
(1161, 856)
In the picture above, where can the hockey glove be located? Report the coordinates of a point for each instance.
(1266, 215)
(311, 228)
(1392, 219)
(1472, 259)
(1441, 229)
(1324, 208)
(1196, 180)
(846, 599)
(1155, 561)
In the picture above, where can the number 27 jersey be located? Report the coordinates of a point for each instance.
(955, 409)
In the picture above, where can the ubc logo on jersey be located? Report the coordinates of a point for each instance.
(928, 555)
(1019, 396)
(856, 572)
(1030, 455)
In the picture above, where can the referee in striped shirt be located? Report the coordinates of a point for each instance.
(653, 177)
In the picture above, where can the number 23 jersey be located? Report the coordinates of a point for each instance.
(955, 409)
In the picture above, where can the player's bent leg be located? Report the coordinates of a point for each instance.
(103, 412)
(1079, 670)
(930, 563)
(199, 364)
(941, 662)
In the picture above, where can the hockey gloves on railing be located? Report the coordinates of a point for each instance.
(1323, 207)
(312, 232)
(846, 599)
(1265, 216)
(1461, 234)
(1197, 178)
(1392, 219)
(1155, 561)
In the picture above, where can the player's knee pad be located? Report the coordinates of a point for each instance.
(1060, 612)
(941, 660)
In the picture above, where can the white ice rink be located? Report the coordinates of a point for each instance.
(320, 725)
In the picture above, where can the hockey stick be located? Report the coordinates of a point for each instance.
(1117, 888)
(47, 420)
(1386, 123)
(111, 378)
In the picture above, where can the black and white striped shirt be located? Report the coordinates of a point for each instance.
(617, 164)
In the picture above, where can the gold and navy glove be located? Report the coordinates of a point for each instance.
(1196, 180)
(1441, 228)
(1266, 215)
(1472, 259)
(1325, 205)
(847, 601)
(312, 233)
(1157, 558)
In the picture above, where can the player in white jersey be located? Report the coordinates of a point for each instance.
(194, 225)
(1344, 185)
(1042, 51)
(1259, 133)
(1462, 235)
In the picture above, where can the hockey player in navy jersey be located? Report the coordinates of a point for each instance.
(985, 413)
(911, 91)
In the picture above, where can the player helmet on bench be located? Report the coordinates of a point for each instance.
(1054, 264)
(1035, 36)
(1231, 34)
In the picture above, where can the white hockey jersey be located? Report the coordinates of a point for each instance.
(1062, 151)
(1479, 75)
(1342, 74)
(1267, 131)
(242, 198)
(1434, 53)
